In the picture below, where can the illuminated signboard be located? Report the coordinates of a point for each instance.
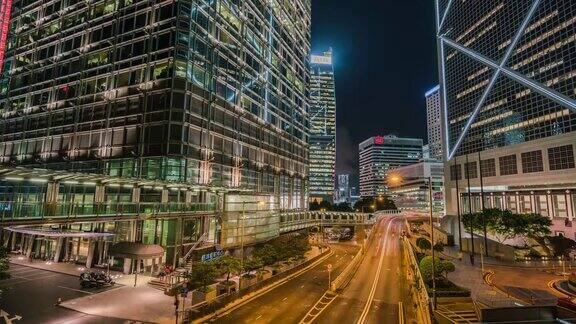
(320, 59)
(379, 140)
(5, 9)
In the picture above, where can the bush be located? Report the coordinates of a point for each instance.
(4, 263)
(282, 249)
(442, 268)
(423, 243)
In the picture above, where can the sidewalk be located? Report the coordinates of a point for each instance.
(74, 269)
(470, 276)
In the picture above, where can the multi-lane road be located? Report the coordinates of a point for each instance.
(290, 302)
(372, 296)
(375, 293)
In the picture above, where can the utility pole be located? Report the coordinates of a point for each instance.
(470, 210)
(458, 175)
(482, 204)
(432, 238)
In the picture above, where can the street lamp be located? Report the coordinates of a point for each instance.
(398, 180)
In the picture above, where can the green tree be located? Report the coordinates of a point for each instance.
(561, 245)
(4, 263)
(423, 243)
(535, 225)
(343, 207)
(228, 265)
(447, 267)
(202, 275)
(314, 205)
(426, 268)
(267, 253)
(252, 264)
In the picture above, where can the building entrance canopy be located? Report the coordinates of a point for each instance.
(40, 231)
(136, 250)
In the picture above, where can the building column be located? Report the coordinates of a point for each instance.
(127, 266)
(30, 245)
(550, 205)
(90, 255)
(58, 249)
(569, 206)
(13, 238)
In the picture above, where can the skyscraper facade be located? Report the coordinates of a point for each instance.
(322, 127)
(209, 95)
(509, 109)
(433, 115)
(207, 92)
(379, 155)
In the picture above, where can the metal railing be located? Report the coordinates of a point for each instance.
(419, 288)
(11, 210)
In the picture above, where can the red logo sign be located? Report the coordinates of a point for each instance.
(379, 140)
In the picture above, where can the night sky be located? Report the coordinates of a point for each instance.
(385, 60)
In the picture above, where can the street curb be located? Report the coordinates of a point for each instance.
(487, 277)
(553, 284)
(242, 301)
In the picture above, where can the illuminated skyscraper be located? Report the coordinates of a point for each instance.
(433, 115)
(210, 93)
(509, 106)
(322, 127)
(380, 154)
(5, 11)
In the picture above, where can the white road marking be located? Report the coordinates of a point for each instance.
(284, 298)
(366, 310)
(7, 318)
(78, 290)
(259, 316)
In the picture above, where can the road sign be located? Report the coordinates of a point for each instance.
(329, 267)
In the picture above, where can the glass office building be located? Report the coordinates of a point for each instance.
(380, 154)
(207, 95)
(507, 72)
(322, 127)
(208, 92)
(434, 126)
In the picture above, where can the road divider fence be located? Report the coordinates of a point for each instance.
(340, 282)
(418, 287)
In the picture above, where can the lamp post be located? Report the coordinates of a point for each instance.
(398, 179)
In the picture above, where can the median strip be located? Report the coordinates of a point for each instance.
(244, 300)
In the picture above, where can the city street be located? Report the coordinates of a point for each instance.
(290, 302)
(374, 293)
(30, 295)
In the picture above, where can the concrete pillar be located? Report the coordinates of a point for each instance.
(30, 245)
(570, 206)
(66, 249)
(188, 196)
(58, 249)
(13, 238)
(90, 256)
(127, 266)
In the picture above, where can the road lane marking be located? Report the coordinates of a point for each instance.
(284, 298)
(257, 317)
(400, 313)
(78, 290)
(366, 310)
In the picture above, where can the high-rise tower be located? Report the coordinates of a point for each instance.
(509, 106)
(433, 115)
(322, 127)
(208, 92)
